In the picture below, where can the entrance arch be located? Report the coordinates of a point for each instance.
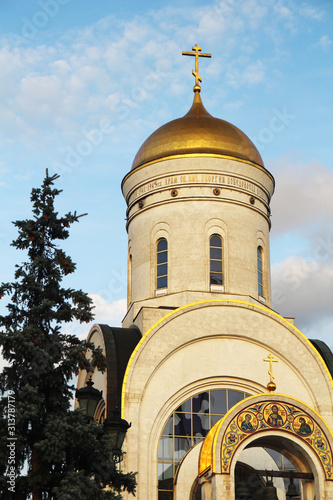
(273, 422)
(279, 459)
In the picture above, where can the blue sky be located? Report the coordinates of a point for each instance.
(84, 83)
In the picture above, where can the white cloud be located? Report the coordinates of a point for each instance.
(304, 289)
(233, 105)
(254, 73)
(302, 218)
(324, 43)
(254, 12)
(111, 313)
(39, 96)
(3, 362)
(60, 66)
(303, 195)
(69, 84)
(321, 330)
(282, 10)
(311, 12)
(244, 71)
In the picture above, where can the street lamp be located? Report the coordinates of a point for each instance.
(116, 427)
(88, 398)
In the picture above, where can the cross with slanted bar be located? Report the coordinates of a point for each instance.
(271, 360)
(195, 72)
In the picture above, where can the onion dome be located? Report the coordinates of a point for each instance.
(197, 133)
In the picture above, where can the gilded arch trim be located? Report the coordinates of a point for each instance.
(268, 413)
(212, 302)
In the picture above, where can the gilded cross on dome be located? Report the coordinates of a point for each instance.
(271, 385)
(195, 72)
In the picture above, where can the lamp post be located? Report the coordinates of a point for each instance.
(116, 427)
(88, 398)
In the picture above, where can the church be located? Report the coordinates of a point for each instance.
(226, 398)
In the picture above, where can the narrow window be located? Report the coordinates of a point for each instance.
(216, 276)
(162, 263)
(259, 268)
(129, 280)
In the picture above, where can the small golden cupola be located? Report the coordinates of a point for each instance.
(198, 132)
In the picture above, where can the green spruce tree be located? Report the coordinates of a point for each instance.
(48, 450)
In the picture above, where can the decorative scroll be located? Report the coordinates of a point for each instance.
(270, 416)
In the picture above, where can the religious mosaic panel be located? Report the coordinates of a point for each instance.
(274, 415)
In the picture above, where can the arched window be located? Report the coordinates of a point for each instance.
(188, 425)
(162, 264)
(259, 269)
(215, 246)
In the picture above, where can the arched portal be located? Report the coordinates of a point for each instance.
(238, 446)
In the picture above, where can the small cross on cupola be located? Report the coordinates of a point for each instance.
(195, 72)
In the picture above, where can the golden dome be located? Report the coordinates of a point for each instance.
(197, 132)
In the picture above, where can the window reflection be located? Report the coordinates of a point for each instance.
(165, 450)
(182, 445)
(168, 429)
(185, 406)
(200, 425)
(200, 403)
(234, 397)
(182, 424)
(218, 402)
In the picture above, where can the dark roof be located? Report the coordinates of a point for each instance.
(325, 353)
(119, 345)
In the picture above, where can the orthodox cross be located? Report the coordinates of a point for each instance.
(271, 385)
(197, 54)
